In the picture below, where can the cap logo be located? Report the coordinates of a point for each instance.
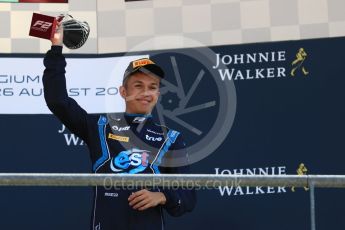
(143, 62)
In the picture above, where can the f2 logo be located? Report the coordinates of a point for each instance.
(43, 24)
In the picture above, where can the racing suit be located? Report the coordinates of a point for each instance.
(119, 143)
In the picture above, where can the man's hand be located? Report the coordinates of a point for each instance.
(57, 38)
(145, 199)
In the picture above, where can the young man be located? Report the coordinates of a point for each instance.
(129, 142)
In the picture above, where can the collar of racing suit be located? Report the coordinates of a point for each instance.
(137, 115)
(130, 118)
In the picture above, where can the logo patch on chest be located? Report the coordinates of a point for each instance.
(118, 138)
(119, 128)
(130, 161)
(153, 138)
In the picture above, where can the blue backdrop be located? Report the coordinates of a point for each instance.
(270, 123)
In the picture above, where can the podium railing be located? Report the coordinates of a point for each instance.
(174, 181)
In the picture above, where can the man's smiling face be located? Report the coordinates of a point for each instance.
(141, 92)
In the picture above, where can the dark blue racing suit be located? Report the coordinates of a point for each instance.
(120, 143)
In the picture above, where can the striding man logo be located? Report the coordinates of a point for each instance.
(298, 63)
(302, 170)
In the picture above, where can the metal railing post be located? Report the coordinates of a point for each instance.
(312, 205)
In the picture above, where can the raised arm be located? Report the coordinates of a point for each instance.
(55, 92)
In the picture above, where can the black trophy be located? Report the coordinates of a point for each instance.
(75, 32)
